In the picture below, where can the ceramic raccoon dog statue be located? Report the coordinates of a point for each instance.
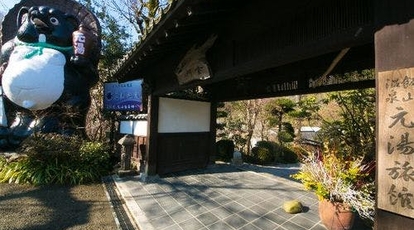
(45, 87)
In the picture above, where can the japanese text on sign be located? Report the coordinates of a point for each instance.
(396, 141)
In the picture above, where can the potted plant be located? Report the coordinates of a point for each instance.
(343, 185)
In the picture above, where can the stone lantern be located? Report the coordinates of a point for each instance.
(127, 142)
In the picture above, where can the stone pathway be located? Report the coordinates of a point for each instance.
(220, 197)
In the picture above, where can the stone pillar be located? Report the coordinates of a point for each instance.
(237, 158)
(394, 66)
(127, 142)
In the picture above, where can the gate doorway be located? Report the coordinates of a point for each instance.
(228, 50)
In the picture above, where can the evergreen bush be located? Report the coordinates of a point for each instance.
(263, 155)
(273, 151)
(288, 156)
(225, 150)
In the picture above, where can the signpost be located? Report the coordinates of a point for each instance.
(125, 96)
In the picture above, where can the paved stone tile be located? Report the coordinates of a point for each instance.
(249, 227)
(196, 209)
(249, 215)
(191, 224)
(181, 215)
(162, 222)
(166, 201)
(235, 221)
(172, 208)
(302, 221)
(234, 207)
(222, 197)
(172, 227)
(259, 210)
(221, 212)
(247, 203)
(291, 225)
(274, 217)
(219, 225)
(282, 213)
(319, 227)
(207, 218)
(210, 205)
(265, 224)
(255, 198)
(185, 200)
(153, 209)
(270, 206)
(311, 215)
(234, 196)
(276, 201)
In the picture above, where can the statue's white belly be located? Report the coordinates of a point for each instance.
(34, 77)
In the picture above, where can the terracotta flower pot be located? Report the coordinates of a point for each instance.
(336, 215)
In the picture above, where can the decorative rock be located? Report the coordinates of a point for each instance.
(292, 206)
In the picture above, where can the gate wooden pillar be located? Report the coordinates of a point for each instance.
(394, 64)
(152, 136)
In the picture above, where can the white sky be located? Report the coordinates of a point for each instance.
(6, 5)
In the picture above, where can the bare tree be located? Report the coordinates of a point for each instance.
(138, 13)
(241, 122)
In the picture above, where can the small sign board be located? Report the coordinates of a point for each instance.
(395, 141)
(126, 96)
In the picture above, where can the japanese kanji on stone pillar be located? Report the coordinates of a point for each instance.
(396, 141)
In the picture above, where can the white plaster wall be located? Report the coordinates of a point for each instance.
(137, 128)
(181, 116)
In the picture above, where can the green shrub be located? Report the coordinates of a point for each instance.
(288, 156)
(287, 134)
(263, 155)
(225, 150)
(56, 159)
(250, 158)
(267, 152)
(273, 148)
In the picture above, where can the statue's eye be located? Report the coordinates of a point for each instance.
(54, 21)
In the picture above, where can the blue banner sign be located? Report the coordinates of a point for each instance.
(125, 96)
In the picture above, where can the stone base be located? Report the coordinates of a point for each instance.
(122, 173)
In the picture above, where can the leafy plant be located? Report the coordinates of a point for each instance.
(335, 176)
(354, 129)
(56, 159)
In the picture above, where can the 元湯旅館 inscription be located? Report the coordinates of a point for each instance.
(395, 90)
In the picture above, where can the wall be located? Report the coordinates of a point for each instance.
(181, 116)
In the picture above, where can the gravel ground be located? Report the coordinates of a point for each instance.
(55, 207)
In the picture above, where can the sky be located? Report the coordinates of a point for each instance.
(5, 5)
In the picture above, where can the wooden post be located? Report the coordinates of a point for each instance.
(152, 137)
(213, 127)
